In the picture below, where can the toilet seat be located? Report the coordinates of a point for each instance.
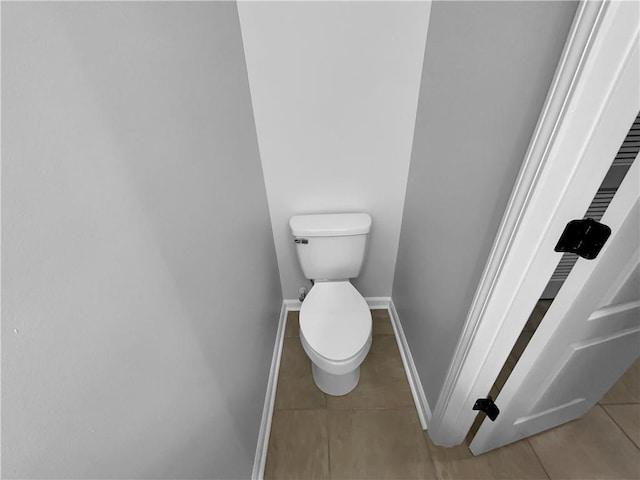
(335, 321)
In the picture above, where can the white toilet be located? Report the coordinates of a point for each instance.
(335, 321)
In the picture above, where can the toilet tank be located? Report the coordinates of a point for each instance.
(331, 246)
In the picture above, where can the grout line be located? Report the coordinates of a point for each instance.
(544, 469)
(618, 425)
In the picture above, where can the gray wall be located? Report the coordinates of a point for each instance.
(140, 290)
(486, 72)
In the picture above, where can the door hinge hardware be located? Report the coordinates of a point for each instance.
(487, 406)
(584, 237)
(303, 241)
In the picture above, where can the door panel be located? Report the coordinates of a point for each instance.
(542, 420)
(588, 338)
(623, 314)
(572, 380)
(627, 288)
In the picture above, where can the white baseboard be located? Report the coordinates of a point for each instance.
(419, 398)
(293, 305)
(378, 303)
(260, 458)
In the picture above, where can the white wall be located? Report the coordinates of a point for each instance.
(334, 87)
(140, 291)
(487, 69)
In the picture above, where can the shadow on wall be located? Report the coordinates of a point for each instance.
(131, 176)
(487, 69)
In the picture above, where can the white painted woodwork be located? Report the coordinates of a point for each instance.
(582, 346)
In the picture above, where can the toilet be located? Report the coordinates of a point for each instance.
(335, 320)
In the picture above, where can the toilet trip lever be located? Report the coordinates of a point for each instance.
(304, 241)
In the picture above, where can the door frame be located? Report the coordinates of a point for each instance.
(554, 186)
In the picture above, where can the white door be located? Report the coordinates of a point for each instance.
(591, 104)
(588, 338)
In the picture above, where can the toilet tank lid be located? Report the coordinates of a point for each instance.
(329, 225)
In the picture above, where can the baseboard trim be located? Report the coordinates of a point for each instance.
(419, 398)
(260, 458)
(374, 303)
(378, 303)
(293, 305)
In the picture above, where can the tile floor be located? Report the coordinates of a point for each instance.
(374, 431)
(526, 335)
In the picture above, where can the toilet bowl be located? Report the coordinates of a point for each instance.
(335, 332)
(335, 321)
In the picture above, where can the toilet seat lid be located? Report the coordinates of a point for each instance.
(335, 320)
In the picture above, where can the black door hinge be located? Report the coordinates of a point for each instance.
(584, 237)
(487, 406)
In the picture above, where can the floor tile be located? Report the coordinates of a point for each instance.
(293, 325)
(377, 443)
(537, 315)
(374, 432)
(628, 419)
(519, 347)
(517, 460)
(383, 381)
(515, 354)
(627, 389)
(298, 445)
(521, 344)
(296, 388)
(591, 447)
(381, 322)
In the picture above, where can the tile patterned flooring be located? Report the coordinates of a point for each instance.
(374, 431)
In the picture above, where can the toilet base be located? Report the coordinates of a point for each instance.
(335, 385)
